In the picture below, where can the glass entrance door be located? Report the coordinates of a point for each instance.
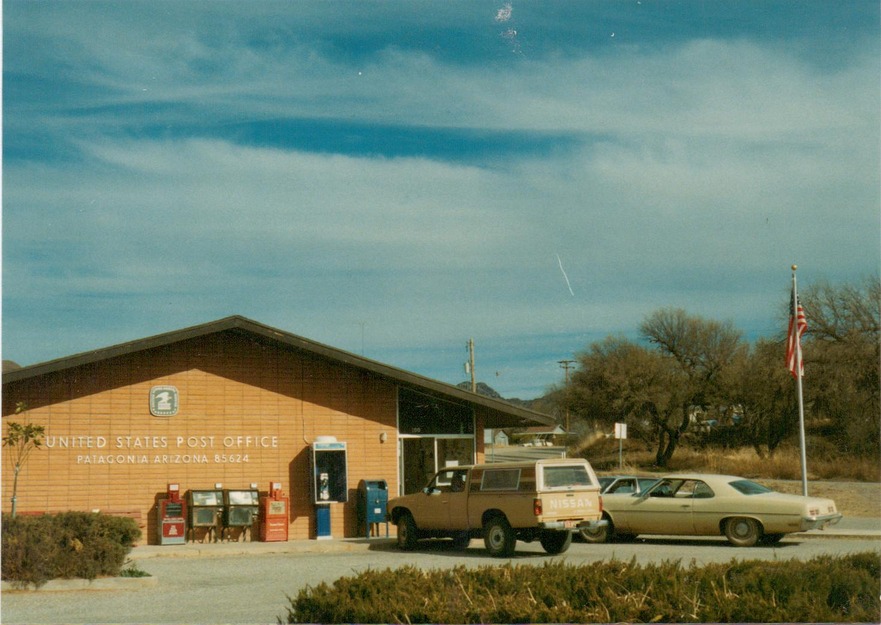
(422, 457)
(418, 463)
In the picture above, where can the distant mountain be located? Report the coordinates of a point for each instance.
(482, 389)
(488, 391)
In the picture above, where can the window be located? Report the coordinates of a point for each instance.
(500, 479)
(702, 491)
(452, 481)
(622, 487)
(422, 414)
(749, 488)
(566, 476)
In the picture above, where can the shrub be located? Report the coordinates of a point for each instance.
(68, 545)
(824, 589)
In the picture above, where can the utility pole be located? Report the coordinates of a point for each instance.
(469, 366)
(566, 365)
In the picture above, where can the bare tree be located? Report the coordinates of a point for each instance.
(842, 356)
(701, 350)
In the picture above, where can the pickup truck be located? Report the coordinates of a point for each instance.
(545, 499)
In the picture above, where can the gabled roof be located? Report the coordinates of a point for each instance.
(534, 431)
(501, 413)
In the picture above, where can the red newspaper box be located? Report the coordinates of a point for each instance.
(274, 515)
(172, 523)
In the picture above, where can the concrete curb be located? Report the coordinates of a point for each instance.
(102, 583)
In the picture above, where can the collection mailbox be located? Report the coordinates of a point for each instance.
(274, 515)
(372, 505)
(172, 522)
(205, 509)
(240, 509)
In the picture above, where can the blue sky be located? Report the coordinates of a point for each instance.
(393, 178)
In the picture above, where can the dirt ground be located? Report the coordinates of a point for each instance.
(856, 499)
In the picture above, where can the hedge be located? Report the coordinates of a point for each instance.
(84, 545)
(826, 589)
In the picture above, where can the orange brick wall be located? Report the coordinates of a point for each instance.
(260, 405)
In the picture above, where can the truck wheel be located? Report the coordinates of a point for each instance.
(499, 538)
(598, 534)
(407, 532)
(555, 541)
(742, 532)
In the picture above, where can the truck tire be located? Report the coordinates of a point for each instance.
(498, 537)
(407, 532)
(555, 541)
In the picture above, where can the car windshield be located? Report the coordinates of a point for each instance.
(749, 488)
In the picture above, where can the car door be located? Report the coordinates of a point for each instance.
(705, 513)
(444, 505)
(664, 509)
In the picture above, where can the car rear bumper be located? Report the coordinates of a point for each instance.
(575, 527)
(819, 522)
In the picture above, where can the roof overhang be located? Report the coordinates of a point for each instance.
(498, 413)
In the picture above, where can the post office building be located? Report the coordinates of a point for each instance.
(230, 414)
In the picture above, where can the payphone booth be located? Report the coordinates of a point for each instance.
(205, 513)
(172, 522)
(240, 508)
(329, 481)
(274, 515)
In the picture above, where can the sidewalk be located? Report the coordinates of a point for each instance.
(853, 527)
(231, 548)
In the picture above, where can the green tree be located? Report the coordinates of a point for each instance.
(619, 380)
(21, 439)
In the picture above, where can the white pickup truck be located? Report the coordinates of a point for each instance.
(545, 499)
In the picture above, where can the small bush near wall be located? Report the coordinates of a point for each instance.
(83, 545)
(828, 589)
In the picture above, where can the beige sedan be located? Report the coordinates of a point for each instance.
(696, 504)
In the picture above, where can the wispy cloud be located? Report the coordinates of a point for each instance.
(335, 166)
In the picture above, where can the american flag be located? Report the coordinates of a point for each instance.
(797, 326)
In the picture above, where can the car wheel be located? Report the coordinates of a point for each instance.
(407, 532)
(499, 538)
(555, 541)
(742, 532)
(600, 534)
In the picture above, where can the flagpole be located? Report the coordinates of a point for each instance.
(798, 376)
